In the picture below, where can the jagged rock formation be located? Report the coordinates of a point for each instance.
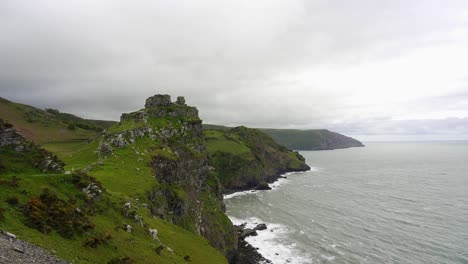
(187, 193)
(14, 145)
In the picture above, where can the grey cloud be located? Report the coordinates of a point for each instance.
(101, 58)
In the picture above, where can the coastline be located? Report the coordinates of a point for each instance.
(248, 253)
(270, 180)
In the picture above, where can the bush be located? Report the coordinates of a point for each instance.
(71, 126)
(14, 182)
(12, 200)
(2, 214)
(48, 212)
(53, 111)
(97, 240)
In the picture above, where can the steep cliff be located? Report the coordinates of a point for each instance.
(140, 192)
(185, 191)
(246, 158)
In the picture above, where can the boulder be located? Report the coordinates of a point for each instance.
(158, 100)
(260, 227)
(180, 100)
(263, 186)
(248, 232)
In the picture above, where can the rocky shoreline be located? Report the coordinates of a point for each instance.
(247, 254)
(261, 187)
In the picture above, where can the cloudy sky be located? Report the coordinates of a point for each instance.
(388, 69)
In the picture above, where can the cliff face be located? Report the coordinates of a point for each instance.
(318, 139)
(246, 158)
(186, 192)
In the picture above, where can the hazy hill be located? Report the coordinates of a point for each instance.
(316, 139)
(313, 139)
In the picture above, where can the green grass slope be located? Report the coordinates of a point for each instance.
(316, 139)
(245, 158)
(50, 128)
(81, 215)
(297, 139)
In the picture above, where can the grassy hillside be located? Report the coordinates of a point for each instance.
(297, 139)
(316, 139)
(82, 215)
(50, 128)
(245, 158)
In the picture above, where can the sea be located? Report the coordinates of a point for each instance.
(392, 202)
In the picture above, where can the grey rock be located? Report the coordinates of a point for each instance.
(180, 100)
(158, 100)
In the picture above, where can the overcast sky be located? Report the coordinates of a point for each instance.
(376, 69)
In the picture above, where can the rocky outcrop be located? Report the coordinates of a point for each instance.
(13, 144)
(187, 193)
(160, 106)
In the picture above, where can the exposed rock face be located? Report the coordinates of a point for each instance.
(180, 100)
(187, 194)
(160, 106)
(158, 100)
(16, 145)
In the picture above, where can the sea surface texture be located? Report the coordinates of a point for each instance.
(385, 203)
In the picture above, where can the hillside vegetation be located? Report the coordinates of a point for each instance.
(297, 139)
(246, 158)
(141, 175)
(50, 128)
(315, 139)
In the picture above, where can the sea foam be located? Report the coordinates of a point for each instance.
(271, 242)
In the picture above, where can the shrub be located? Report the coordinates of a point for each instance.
(48, 212)
(71, 126)
(53, 111)
(2, 214)
(97, 240)
(12, 200)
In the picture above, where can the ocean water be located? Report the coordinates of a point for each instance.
(385, 203)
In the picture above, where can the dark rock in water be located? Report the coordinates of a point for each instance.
(263, 186)
(248, 232)
(246, 253)
(260, 227)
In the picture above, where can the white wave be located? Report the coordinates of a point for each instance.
(236, 194)
(271, 242)
(273, 186)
